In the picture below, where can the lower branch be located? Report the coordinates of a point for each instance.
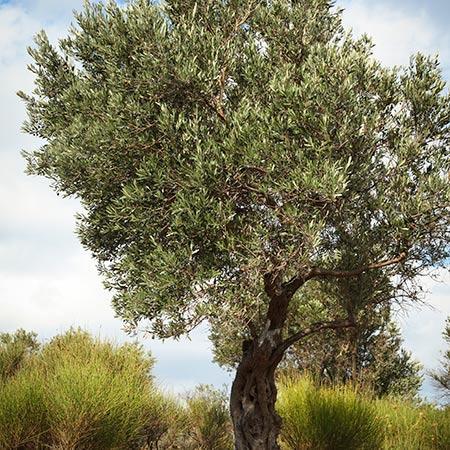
(316, 272)
(314, 328)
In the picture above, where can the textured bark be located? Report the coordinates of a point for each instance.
(253, 396)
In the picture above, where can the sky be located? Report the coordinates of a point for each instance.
(49, 283)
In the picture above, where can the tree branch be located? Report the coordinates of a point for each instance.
(315, 328)
(316, 272)
(324, 273)
(217, 101)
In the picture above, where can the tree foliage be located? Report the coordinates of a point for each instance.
(442, 377)
(213, 143)
(15, 350)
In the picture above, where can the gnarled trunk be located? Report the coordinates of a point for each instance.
(253, 396)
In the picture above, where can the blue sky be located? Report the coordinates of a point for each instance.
(49, 283)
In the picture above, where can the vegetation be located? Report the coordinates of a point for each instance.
(15, 349)
(442, 376)
(230, 153)
(208, 420)
(369, 354)
(411, 426)
(327, 418)
(342, 417)
(78, 392)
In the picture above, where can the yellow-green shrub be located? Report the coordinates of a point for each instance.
(23, 419)
(208, 424)
(80, 392)
(326, 418)
(408, 426)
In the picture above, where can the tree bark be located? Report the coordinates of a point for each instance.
(253, 395)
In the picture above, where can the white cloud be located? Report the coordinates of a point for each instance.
(14, 26)
(397, 31)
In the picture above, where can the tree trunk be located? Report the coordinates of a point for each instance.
(253, 395)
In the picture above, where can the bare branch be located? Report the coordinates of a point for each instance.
(315, 328)
(292, 285)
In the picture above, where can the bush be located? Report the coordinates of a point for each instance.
(23, 421)
(326, 418)
(208, 424)
(79, 392)
(411, 426)
(342, 418)
(15, 349)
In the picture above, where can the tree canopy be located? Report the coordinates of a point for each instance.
(217, 142)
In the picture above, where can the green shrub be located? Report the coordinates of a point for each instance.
(77, 392)
(411, 426)
(326, 418)
(15, 349)
(208, 423)
(23, 421)
(82, 393)
(437, 429)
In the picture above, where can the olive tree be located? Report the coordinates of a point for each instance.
(227, 153)
(368, 354)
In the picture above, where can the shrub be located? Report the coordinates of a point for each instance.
(208, 421)
(80, 392)
(23, 421)
(411, 426)
(438, 428)
(15, 349)
(326, 418)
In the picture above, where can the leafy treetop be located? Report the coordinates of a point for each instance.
(224, 150)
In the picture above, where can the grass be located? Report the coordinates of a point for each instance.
(81, 393)
(341, 417)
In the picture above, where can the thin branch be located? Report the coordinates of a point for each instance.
(316, 272)
(217, 101)
(315, 328)
(292, 285)
(213, 106)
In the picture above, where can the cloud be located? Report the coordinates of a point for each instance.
(397, 31)
(48, 12)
